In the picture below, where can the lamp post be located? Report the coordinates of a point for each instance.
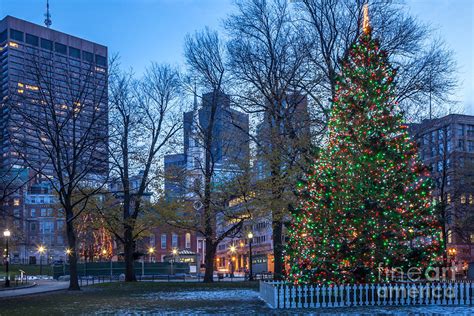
(232, 250)
(151, 251)
(174, 252)
(7, 234)
(41, 250)
(250, 237)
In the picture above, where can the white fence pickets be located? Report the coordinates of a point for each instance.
(281, 295)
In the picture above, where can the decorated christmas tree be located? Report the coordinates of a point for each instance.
(366, 202)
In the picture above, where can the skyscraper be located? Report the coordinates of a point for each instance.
(40, 66)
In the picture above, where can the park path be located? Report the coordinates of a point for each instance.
(42, 286)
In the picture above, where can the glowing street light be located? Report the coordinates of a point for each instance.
(41, 250)
(250, 237)
(151, 251)
(7, 235)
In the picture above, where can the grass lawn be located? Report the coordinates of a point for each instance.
(30, 269)
(142, 297)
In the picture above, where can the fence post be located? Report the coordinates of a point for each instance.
(275, 295)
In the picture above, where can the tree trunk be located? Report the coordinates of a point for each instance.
(209, 261)
(278, 249)
(71, 239)
(129, 248)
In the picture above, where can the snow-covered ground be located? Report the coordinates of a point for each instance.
(227, 295)
(247, 302)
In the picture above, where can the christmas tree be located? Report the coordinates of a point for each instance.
(366, 202)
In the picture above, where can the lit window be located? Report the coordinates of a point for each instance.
(463, 199)
(449, 198)
(21, 91)
(471, 237)
(450, 237)
(13, 44)
(98, 69)
(16, 202)
(30, 87)
(20, 85)
(188, 240)
(471, 199)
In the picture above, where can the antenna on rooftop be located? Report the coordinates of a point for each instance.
(47, 15)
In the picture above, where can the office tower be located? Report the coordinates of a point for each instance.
(230, 133)
(34, 61)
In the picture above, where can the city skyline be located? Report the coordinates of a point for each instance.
(154, 30)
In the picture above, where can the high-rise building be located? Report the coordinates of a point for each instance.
(446, 146)
(230, 133)
(230, 154)
(34, 62)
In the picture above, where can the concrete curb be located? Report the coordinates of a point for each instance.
(19, 287)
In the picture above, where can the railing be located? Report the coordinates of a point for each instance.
(284, 295)
(91, 280)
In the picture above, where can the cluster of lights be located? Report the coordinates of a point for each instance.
(367, 199)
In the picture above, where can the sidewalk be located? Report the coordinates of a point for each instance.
(43, 286)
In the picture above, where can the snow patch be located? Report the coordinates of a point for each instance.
(229, 295)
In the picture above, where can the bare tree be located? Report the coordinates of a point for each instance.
(269, 58)
(65, 116)
(425, 66)
(208, 175)
(143, 121)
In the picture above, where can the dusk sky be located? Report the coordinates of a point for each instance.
(142, 31)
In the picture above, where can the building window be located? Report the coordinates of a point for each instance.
(32, 40)
(470, 146)
(87, 56)
(449, 236)
(163, 241)
(16, 35)
(74, 52)
(100, 60)
(33, 227)
(16, 202)
(188, 240)
(461, 144)
(46, 44)
(60, 48)
(471, 199)
(471, 237)
(463, 198)
(470, 130)
(460, 130)
(43, 212)
(33, 212)
(3, 36)
(174, 240)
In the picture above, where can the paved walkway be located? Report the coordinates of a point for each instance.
(42, 286)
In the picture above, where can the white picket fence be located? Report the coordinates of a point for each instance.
(284, 295)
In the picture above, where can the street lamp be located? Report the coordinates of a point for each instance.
(151, 251)
(232, 250)
(7, 235)
(174, 252)
(250, 237)
(41, 250)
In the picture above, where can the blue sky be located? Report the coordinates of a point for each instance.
(142, 31)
